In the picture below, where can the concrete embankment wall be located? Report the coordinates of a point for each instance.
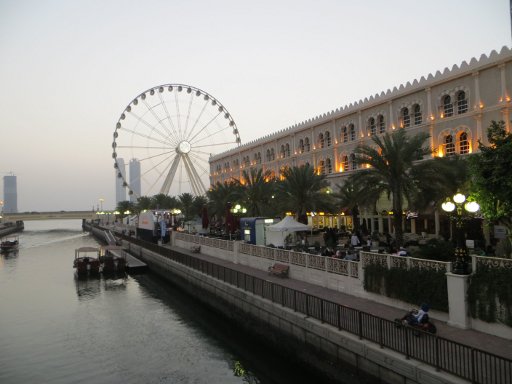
(336, 354)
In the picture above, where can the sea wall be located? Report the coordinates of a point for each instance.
(336, 354)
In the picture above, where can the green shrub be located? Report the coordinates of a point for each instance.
(414, 286)
(490, 295)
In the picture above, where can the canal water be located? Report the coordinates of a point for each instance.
(55, 328)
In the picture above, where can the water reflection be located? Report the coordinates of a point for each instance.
(88, 287)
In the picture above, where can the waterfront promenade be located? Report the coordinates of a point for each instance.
(483, 341)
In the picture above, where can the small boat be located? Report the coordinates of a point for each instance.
(113, 259)
(8, 244)
(87, 261)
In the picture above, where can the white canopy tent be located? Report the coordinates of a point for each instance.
(277, 233)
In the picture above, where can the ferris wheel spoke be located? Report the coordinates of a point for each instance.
(204, 127)
(136, 133)
(191, 98)
(168, 116)
(142, 147)
(150, 126)
(157, 118)
(178, 115)
(198, 118)
(218, 133)
(167, 154)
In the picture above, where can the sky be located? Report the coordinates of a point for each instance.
(68, 69)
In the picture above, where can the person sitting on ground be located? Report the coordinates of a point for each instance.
(402, 252)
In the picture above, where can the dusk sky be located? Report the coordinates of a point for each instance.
(69, 68)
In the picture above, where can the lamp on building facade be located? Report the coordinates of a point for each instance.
(460, 209)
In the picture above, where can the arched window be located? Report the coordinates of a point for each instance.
(353, 161)
(321, 167)
(381, 124)
(344, 134)
(327, 137)
(372, 128)
(462, 102)
(328, 166)
(268, 155)
(463, 143)
(416, 109)
(352, 130)
(301, 146)
(306, 144)
(405, 117)
(287, 150)
(447, 106)
(321, 140)
(282, 152)
(345, 163)
(449, 145)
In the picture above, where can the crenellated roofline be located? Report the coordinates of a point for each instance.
(431, 80)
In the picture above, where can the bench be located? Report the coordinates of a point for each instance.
(196, 249)
(280, 270)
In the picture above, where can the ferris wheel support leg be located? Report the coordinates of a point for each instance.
(170, 176)
(196, 182)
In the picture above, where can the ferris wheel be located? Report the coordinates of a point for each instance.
(168, 133)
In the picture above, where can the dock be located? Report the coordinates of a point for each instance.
(134, 265)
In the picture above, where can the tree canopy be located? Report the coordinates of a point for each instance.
(491, 176)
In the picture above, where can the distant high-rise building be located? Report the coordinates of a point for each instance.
(10, 195)
(120, 177)
(135, 179)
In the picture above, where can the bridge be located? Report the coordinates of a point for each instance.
(60, 215)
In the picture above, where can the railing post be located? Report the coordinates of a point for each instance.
(272, 291)
(473, 365)
(322, 306)
(360, 324)
(338, 316)
(381, 338)
(294, 301)
(438, 352)
(406, 343)
(307, 305)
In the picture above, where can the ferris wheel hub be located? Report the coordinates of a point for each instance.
(184, 147)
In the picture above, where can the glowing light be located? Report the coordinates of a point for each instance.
(459, 198)
(448, 206)
(471, 206)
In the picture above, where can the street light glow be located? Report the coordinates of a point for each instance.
(448, 206)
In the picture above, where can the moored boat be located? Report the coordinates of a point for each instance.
(113, 259)
(8, 244)
(87, 261)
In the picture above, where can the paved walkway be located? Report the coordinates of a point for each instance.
(493, 344)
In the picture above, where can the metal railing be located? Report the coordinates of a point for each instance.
(475, 365)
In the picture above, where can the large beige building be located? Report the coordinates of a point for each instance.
(455, 106)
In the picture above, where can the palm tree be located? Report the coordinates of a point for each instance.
(302, 190)
(392, 162)
(186, 203)
(219, 196)
(353, 195)
(257, 190)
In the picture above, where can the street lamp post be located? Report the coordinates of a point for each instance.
(457, 205)
(237, 211)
